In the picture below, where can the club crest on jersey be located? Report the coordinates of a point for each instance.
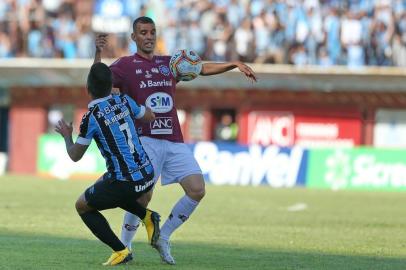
(164, 70)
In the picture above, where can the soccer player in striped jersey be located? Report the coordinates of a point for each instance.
(130, 174)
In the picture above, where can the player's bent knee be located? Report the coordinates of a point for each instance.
(196, 194)
(81, 205)
(200, 194)
(194, 186)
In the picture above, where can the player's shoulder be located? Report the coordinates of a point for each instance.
(86, 117)
(121, 97)
(123, 60)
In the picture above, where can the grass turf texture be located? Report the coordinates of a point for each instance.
(234, 228)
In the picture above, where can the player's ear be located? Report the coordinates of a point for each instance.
(133, 36)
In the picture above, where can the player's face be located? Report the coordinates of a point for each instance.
(145, 37)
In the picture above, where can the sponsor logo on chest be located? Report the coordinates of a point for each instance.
(152, 83)
(159, 102)
(161, 125)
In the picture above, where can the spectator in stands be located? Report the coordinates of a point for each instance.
(261, 24)
(226, 130)
(298, 55)
(244, 40)
(277, 42)
(65, 31)
(220, 38)
(399, 42)
(5, 45)
(351, 38)
(195, 38)
(34, 41)
(332, 30)
(323, 57)
(85, 48)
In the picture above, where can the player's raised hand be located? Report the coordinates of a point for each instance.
(63, 128)
(248, 72)
(101, 41)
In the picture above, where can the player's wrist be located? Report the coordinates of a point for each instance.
(236, 63)
(68, 137)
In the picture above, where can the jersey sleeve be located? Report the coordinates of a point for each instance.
(117, 69)
(136, 109)
(87, 130)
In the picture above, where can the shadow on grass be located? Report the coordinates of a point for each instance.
(24, 251)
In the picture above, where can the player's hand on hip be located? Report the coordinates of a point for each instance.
(101, 41)
(248, 72)
(63, 128)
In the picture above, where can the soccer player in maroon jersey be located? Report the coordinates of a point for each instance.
(146, 78)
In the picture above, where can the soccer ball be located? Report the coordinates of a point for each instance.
(185, 65)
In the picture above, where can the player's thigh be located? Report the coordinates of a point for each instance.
(104, 194)
(131, 195)
(179, 163)
(155, 151)
(145, 198)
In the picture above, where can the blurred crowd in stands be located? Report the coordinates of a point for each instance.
(299, 32)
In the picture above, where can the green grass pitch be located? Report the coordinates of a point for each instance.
(234, 228)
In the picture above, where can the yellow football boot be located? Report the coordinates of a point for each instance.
(151, 222)
(119, 257)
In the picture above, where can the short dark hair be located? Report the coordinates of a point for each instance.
(144, 20)
(99, 80)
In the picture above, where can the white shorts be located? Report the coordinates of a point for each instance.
(172, 161)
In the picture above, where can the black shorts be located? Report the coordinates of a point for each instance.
(110, 193)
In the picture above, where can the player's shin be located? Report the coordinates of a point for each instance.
(180, 213)
(99, 226)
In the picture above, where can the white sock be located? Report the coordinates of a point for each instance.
(130, 225)
(180, 213)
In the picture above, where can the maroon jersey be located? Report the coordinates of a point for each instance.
(150, 83)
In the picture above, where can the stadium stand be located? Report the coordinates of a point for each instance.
(300, 32)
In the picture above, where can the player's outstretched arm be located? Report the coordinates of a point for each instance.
(100, 42)
(75, 151)
(217, 68)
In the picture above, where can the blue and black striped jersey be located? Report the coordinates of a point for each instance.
(110, 122)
